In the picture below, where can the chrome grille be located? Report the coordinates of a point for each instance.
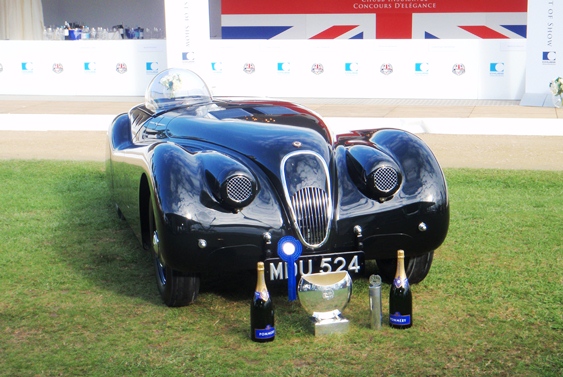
(239, 188)
(385, 179)
(311, 208)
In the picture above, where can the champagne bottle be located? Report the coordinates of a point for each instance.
(262, 311)
(400, 297)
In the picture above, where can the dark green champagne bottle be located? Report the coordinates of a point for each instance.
(262, 326)
(400, 297)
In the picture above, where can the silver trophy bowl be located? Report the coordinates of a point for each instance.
(324, 296)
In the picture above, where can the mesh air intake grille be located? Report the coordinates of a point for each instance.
(385, 179)
(239, 188)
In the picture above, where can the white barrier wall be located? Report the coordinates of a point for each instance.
(367, 68)
(338, 68)
(457, 69)
(80, 68)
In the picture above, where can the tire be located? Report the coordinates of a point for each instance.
(416, 267)
(175, 288)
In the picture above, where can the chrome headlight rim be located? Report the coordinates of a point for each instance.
(384, 181)
(238, 190)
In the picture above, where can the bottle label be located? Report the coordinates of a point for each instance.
(400, 320)
(267, 333)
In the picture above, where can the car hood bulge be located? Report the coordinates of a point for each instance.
(264, 143)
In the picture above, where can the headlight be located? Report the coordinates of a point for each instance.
(375, 174)
(230, 182)
(238, 190)
(384, 181)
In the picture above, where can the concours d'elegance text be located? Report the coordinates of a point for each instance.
(394, 4)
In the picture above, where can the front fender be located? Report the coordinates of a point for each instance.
(175, 179)
(423, 176)
(415, 218)
(194, 228)
(175, 191)
(424, 190)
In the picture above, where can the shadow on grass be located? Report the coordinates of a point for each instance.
(104, 250)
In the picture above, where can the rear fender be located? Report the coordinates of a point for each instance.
(120, 132)
(118, 137)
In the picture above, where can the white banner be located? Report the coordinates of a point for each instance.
(476, 68)
(80, 68)
(545, 39)
(187, 30)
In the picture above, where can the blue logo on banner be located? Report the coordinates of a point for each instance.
(217, 67)
(27, 67)
(89, 66)
(421, 68)
(151, 67)
(284, 67)
(351, 67)
(549, 57)
(188, 56)
(496, 69)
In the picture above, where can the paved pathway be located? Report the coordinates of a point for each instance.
(462, 133)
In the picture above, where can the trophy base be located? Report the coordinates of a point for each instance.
(337, 325)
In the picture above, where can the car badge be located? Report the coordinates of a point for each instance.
(458, 69)
(121, 68)
(297, 144)
(58, 67)
(317, 68)
(249, 68)
(386, 69)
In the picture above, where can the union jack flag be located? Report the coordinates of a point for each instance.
(381, 19)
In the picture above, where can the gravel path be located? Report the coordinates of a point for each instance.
(452, 151)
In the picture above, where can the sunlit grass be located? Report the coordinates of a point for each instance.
(77, 292)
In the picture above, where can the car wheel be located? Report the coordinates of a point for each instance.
(416, 267)
(175, 288)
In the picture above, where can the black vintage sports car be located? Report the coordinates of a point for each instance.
(215, 183)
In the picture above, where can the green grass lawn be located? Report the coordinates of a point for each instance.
(77, 292)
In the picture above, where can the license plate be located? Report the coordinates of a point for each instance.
(353, 262)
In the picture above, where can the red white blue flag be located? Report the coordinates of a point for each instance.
(373, 19)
